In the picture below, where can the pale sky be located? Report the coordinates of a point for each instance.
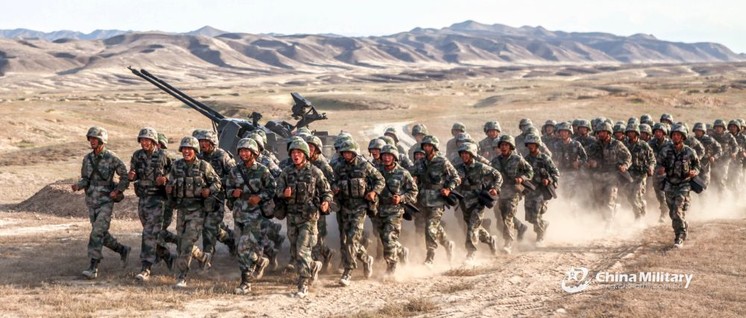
(682, 21)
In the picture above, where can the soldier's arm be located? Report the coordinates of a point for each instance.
(718, 149)
(85, 174)
(269, 186)
(121, 170)
(695, 165)
(375, 179)
(525, 170)
(213, 180)
(624, 158)
(233, 181)
(452, 179)
(496, 178)
(409, 195)
(281, 184)
(582, 155)
(133, 160)
(650, 157)
(322, 188)
(554, 173)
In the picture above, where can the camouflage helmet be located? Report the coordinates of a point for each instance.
(248, 143)
(699, 126)
(531, 139)
(633, 120)
(662, 127)
(388, 140)
(645, 128)
(604, 126)
(258, 139)
(163, 141)
(584, 123)
(338, 142)
(208, 135)
(417, 149)
(646, 118)
(524, 123)
(718, 122)
(344, 134)
(293, 139)
(349, 146)
(389, 149)
(469, 148)
(595, 122)
(262, 133)
(619, 128)
(504, 139)
(550, 122)
(666, 118)
(531, 131)
(189, 142)
(303, 131)
(99, 133)
(575, 122)
(633, 127)
(419, 129)
(564, 126)
(391, 132)
(742, 122)
(148, 133)
(464, 137)
(458, 126)
(376, 143)
(430, 140)
(299, 144)
(315, 141)
(735, 122)
(680, 129)
(492, 125)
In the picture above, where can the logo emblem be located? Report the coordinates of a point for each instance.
(576, 280)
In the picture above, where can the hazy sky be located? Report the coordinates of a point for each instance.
(683, 20)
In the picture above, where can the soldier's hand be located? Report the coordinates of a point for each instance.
(236, 193)
(661, 171)
(396, 199)
(445, 192)
(114, 194)
(518, 180)
(254, 199)
(712, 159)
(288, 193)
(324, 206)
(74, 187)
(169, 189)
(623, 168)
(205, 192)
(161, 180)
(493, 192)
(131, 175)
(692, 173)
(545, 182)
(371, 196)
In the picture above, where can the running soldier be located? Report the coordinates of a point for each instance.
(419, 131)
(451, 147)
(321, 252)
(728, 143)
(607, 158)
(515, 171)
(569, 156)
(643, 163)
(492, 130)
(546, 175)
(660, 140)
(713, 151)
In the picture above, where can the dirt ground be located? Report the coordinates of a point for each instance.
(44, 227)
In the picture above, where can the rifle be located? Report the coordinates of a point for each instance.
(549, 191)
(625, 177)
(453, 198)
(528, 186)
(486, 199)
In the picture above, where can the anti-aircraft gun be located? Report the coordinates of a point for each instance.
(231, 130)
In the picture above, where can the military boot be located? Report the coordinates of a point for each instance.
(245, 286)
(124, 253)
(508, 248)
(493, 245)
(430, 258)
(144, 274)
(368, 266)
(391, 269)
(315, 269)
(181, 281)
(346, 278)
(302, 288)
(260, 266)
(92, 271)
(522, 228)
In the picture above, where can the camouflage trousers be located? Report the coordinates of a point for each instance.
(473, 216)
(507, 206)
(321, 249)
(388, 226)
(100, 218)
(678, 203)
(302, 234)
(271, 238)
(188, 229)
(249, 240)
(150, 211)
(660, 194)
(535, 206)
(353, 222)
(606, 191)
(434, 231)
(215, 230)
(636, 195)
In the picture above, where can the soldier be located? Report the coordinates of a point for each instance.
(736, 165)
(607, 158)
(419, 131)
(404, 160)
(306, 193)
(190, 182)
(584, 137)
(492, 130)
(667, 119)
(357, 186)
(148, 170)
(523, 151)
(729, 145)
(97, 180)
(436, 179)
(569, 155)
(477, 180)
(713, 151)
(523, 126)
(215, 229)
(659, 141)
(546, 175)
(620, 132)
(165, 236)
(646, 132)
(399, 189)
(451, 148)
(647, 120)
(464, 138)
(268, 161)
(321, 250)
(515, 170)
(643, 163)
(374, 149)
(250, 188)
(549, 132)
(420, 220)
(678, 164)
(265, 151)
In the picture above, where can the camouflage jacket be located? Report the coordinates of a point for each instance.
(325, 168)
(432, 175)
(220, 160)
(309, 189)
(586, 141)
(188, 179)
(678, 163)
(486, 148)
(610, 156)
(271, 156)
(352, 180)
(522, 150)
(97, 177)
(741, 141)
(287, 162)
(457, 161)
(712, 150)
(697, 146)
(567, 154)
(476, 177)
(729, 145)
(451, 148)
(148, 167)
(512, 167)
(543, 168)
(254, 180)
(397, 181)
(267, 162)
(643, 158)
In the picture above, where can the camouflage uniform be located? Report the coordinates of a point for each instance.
(536, 201)
(187, 179)
(657, 145)
(451, 146)
(353, 180)
(720, 167)
(309, 190)
(215, 229)
(677, 164)
(165, 236)
(434, 174)
(147, 167)
(521, 146)
(735, 169)
(250, 240)
(476, 179)
(643, 163)
(609, 157)
(511, 167)
(322, 251)
(713, 151)
(97, 180)
(388, 221)
(585, 140)
(569, 155)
